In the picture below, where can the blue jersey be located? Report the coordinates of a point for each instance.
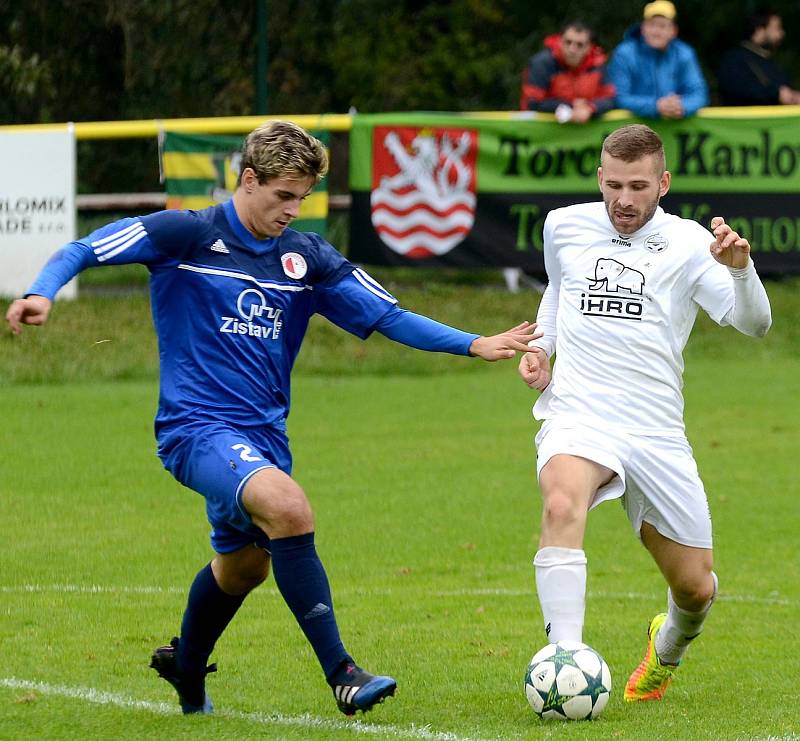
(230, 311)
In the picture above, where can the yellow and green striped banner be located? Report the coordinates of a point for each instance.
(201, 170)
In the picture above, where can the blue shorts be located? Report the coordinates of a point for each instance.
(217, 461)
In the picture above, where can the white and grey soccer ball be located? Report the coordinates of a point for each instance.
(568, 680)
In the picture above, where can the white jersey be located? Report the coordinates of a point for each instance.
(625, 308)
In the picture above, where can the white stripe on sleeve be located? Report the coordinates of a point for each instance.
(124, 246)
(118, 234)
(373, 286)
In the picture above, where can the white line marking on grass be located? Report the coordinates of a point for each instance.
(273, 592)
(89, 695)
(98, 697)
(90, 589)
(500, 592)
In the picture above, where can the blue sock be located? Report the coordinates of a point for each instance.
(208, 612)
(303, 583)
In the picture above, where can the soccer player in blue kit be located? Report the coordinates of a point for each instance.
(232, 290)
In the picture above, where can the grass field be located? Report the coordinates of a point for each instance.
(427, 512)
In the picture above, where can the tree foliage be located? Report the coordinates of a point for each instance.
(81, 60)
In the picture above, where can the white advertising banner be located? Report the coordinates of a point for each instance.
(37, 205)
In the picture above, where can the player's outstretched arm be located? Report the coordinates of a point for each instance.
(506, 344)
(534, 368)
(728, 247)
(424, 333)
(30, 310)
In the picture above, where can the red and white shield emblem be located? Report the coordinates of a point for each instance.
(423, 188)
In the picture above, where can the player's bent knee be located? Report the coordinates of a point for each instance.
(293, 517)
(278, 505)
(694, 594)
(561, 508)
(255, 572)
(242, 583)
(704, 593)
(240, 572)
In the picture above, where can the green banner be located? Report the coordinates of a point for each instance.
(473, 190)
(201, 170)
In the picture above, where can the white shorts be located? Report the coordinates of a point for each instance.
(656, 477)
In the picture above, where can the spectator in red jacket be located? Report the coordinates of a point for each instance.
(568, 77)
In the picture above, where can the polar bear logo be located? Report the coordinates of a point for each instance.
(614, 275)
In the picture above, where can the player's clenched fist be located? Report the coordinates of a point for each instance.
(728, 247)
(534, 368)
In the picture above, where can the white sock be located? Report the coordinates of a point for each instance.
(680, 628)
(561, 584)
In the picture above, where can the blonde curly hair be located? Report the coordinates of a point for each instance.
(281, 149)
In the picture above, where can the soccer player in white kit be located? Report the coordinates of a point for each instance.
(626, 281)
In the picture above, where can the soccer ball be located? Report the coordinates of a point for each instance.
(568, 680)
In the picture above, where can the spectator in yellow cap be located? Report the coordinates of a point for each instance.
(657, 75)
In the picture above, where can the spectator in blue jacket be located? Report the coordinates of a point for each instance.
(655, 73)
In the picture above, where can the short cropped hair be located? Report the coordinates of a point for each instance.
(759, 19)
(578, 25)
(633, 142)
(281, 149)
